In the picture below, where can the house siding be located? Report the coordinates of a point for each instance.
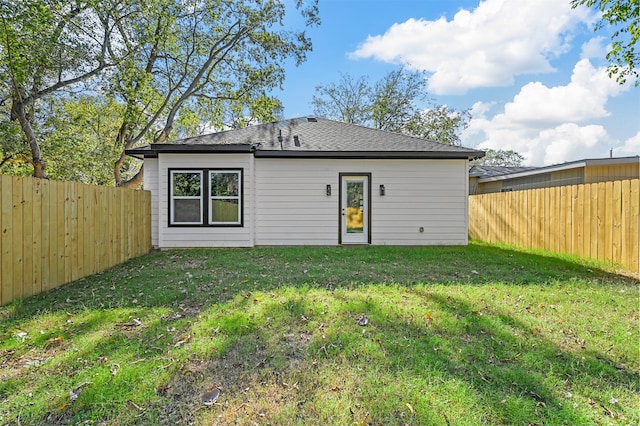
(204, 236)
(150, 183)
(292, 207)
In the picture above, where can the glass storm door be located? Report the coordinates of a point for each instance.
(354, 205)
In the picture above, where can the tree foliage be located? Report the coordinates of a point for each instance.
(624, 17)
(440, 123)
(78, 137)
(46, 47)
(163, 67)
(392, 104)
(499, 157)
(396, 98)
(214, 60)
(348, 101)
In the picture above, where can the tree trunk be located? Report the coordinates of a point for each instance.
(18, 113)
(136, 180)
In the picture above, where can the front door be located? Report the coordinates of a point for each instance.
(354, 209)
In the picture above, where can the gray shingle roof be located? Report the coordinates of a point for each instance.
(302, 137)
(483, 171)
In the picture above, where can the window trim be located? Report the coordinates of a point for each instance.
(206, 198)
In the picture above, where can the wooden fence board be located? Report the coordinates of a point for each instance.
(578, 223)
(593, 246)
(607, 228)
(53, 232)
(36, 238)
(27, 237)
(6, 263)
(634, 225)
(586, 224)
(18, 270)
(45, 235)
(599, 220)
(616, 219)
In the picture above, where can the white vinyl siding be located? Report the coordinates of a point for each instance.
(427, 194)
(285, 201)
(151, 184)
(292, 207)
(204, 236)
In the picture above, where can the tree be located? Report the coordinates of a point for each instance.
(213, 60)
(499, 157)
(624, 17)
(47, 46)
(440, 123)
(392, 104)
(395, 99)
(349, 100)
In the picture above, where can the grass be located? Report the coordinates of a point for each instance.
(366, 336)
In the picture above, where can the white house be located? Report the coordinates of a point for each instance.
(306, 181)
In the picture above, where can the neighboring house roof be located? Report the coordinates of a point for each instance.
(312, 137)
(482, 171)
(559, 167)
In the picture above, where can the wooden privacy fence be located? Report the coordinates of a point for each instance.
(598, 220)
(53, 232)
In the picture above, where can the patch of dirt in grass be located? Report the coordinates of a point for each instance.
(250, 384)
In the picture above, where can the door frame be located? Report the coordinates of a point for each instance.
(367, 206)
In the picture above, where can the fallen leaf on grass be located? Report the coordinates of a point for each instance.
(210, 397)
(363, 320)
(54, 341)
(133, 323)
(75, 393)
(182, 341)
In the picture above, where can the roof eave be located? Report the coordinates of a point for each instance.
(154, 150)
(367, 154)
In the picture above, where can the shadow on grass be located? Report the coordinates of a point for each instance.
(201, 324)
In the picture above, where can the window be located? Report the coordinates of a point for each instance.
(225, 197)
(208, 197)
(186, 194)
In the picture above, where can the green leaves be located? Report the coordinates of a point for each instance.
(500, 157)
(622, 17)
(213, 60)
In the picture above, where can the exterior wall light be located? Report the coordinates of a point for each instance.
(328, 190)
(382, 190)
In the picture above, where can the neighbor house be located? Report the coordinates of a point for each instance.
(488, 179)
(306, 181)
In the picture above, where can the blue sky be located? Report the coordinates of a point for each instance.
(533, 72)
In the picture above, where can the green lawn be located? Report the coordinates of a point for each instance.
(317, 336)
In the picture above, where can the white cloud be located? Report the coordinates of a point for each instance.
(582, 99)
(594, 48)
(480, 109)
(485, 47)
(630, 147)
(550, 125)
